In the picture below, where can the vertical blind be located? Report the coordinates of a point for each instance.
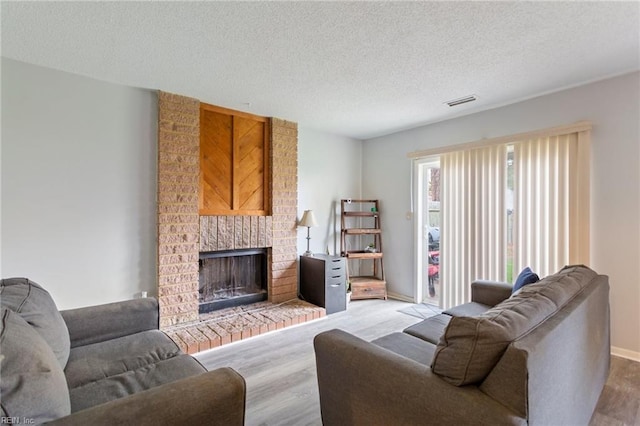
(551, 203)
(473, 239)
(550, 210)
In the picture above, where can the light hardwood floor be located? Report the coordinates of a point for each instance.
(280, 371)
(619, 402)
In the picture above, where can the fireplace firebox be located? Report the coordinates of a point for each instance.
(231, 278)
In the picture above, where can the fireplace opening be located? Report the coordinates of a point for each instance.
(232, 278)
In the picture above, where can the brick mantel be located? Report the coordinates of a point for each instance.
(284, 196)
(178, 220)
(182, 233)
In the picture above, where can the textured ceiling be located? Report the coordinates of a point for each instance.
(360, 69)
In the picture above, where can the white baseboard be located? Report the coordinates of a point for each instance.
(625, 353)
(400, 297)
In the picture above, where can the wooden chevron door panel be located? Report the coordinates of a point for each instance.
(234, 162)
(216, 157)
(249, 137)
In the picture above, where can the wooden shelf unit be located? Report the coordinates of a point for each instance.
(367, 214)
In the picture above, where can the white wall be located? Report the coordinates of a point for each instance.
(78, 185)
(614, 107)
(328, 171)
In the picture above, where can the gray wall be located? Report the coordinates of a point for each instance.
(613, 106)
(328, 171)
(78, 184)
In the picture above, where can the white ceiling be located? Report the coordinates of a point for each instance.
(360, 69)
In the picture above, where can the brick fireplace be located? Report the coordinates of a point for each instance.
(183, 233)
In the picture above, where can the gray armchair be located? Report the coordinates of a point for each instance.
(106, 364)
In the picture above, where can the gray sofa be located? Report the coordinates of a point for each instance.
(106, 364)
(538, 357)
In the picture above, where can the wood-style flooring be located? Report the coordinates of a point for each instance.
(280, 371)
(619, 402)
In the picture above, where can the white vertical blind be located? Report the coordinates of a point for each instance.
(551, 212)
(551, 207)
(473, 229)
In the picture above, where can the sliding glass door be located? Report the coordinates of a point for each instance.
(488, 211)
(427, 230)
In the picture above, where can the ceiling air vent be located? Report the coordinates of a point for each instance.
(461, 101)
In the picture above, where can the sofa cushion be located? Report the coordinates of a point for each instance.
(33, 385)
(93, 362)
(471, 346)
(525, 277)
(408, 346)
(470, 309)
(87, 325)
(36, 306)
(133, 381)
(430, 329)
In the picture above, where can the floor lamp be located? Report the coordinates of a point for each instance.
(308, 220)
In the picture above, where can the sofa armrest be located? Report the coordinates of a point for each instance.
(112, 320)
(363, 384)
(214, 398)
(490, 292)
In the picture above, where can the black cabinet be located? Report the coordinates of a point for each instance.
(323, 281)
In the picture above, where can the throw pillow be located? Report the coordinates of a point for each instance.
(36, 306)
(526, 276)
(33, 384)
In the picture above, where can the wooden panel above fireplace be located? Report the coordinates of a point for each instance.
(234, 163)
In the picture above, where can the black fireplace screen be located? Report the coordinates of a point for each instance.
(228, 275)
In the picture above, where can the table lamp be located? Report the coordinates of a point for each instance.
(308, 220)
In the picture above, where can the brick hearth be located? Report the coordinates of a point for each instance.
(233, 324)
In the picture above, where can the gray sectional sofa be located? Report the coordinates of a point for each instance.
(106, 364)
(538, 357)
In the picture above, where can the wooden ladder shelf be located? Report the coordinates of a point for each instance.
(361, 219)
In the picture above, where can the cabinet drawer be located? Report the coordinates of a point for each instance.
(379, 285)
(336, 281)
(368, 290)
(335, 267)
(336, 286)
(338, 275)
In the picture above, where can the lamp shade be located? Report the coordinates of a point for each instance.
(308, 219)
